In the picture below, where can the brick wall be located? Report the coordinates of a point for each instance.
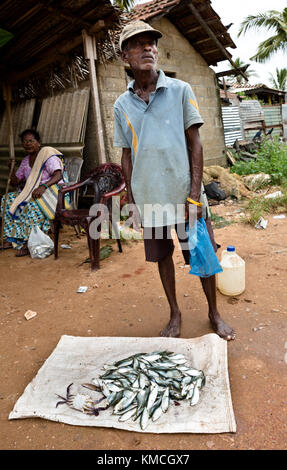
(176, 56)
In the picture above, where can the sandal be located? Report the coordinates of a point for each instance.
(22, 252)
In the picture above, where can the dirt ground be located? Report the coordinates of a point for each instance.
(125, 298)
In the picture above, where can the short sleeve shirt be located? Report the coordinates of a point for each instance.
(155, 133)
(52, 164)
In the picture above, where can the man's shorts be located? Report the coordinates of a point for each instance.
(158, 241)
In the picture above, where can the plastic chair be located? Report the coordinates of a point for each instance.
(107, 181)
(73, 167)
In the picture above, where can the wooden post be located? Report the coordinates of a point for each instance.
(7, 98)
(91, 54)
(225, 87)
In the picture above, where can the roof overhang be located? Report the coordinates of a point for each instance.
(45, 31)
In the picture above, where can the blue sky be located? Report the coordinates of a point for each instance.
(234, 11)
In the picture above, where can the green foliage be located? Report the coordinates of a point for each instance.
(218, 221)
(124, 4)
(5, 36)
(279, 82)
(249, 72)
(259, 207)
(274, 21)
(272, 159)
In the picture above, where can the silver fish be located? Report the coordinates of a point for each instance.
(151, 357)
(152, 396)
(129, 414)
(157, 413)
(193, 372)
(142, 397)
(143, 385)
(125, 402)
(165, 400)
(144, 419)
(195, 397)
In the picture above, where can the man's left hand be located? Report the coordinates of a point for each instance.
(192, 212)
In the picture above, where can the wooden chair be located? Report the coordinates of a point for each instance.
(107, 181)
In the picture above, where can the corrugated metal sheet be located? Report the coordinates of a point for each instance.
(273, 119)
(250, 111)
(22, 116)
(231, 124)
(63, 117)
(252, 118)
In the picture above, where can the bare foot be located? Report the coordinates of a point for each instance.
(172, 329)
(220, 327)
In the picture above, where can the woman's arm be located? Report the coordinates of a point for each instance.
(56, 177)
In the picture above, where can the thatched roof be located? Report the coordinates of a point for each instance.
(45, 31)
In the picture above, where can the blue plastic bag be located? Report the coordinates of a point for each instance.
(202, 257)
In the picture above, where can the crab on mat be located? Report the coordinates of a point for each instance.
(83, 403)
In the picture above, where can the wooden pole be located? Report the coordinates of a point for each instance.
(7, 98)
(225, 87)
(91, 54)
(211, 34)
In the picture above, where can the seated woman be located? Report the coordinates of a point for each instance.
(39, 169)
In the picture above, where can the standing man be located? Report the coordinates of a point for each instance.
(156, 125)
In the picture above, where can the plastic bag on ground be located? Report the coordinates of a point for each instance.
(202, 257)
(40, 245)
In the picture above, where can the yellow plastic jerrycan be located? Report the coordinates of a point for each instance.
(231, 281)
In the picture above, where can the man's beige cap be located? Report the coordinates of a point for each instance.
(137, 27)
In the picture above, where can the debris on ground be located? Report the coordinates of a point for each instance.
(230, 183)
(30, 314)
(254, 182)
(245, 150)
(82, 289)
(262, 223)
(273, 195)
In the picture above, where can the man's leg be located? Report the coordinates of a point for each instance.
(166, 271)
(159, 249)
(219, 326)
(209, 287)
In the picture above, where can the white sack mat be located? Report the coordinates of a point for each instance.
(77, 360)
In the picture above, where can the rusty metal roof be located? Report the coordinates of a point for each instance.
(180, 14)
(44, 30)
(259, 87)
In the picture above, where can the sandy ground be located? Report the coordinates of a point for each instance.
(125, 298)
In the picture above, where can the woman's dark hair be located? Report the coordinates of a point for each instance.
(30, 131)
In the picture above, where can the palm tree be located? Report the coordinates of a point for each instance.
(249, 72)
(272, 20)
(124, 4)
(280, 81)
